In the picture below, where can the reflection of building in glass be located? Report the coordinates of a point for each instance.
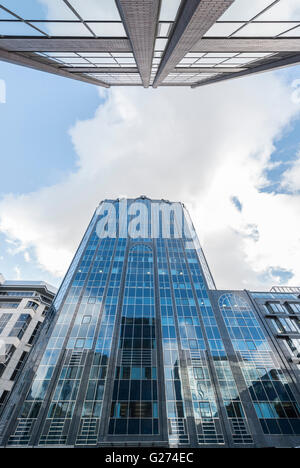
(23, 307)
(139, 350)
(268, 381)
(150, 42)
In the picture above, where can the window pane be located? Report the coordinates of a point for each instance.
(96, 10)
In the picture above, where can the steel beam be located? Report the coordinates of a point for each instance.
(36, 64)
(252, 44)
(40, 44)
(195, 19)
(166, 85)
(209, 70)
(112, 70)
(140, 21)
(286, 62)
(125, 84)
(255, 44)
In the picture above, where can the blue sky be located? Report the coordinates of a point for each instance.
(39, 150)
(285, 153)
(36, 149)
(39, 110)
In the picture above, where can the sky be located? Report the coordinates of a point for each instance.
(229, 151)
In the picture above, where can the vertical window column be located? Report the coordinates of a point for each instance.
(134, 410)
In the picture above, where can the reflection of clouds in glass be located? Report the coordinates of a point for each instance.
(35, 389)
(262, 346)
(245, 10)
(27, 10)
(20, 28)
(169, 9)
(64, 29)
(95, 9)
(39, 9)
(56, 10)
(88, 10)
(108, 29)
(285, 10)
(267, 29)
(2, 351)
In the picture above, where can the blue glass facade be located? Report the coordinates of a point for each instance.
(274, 402)
(141, 349)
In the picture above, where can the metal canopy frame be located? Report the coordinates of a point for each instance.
(145, 43)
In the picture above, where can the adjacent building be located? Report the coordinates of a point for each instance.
(151, 43)
(280, 311)
(141, 349)
(23, 308)
(262, 331)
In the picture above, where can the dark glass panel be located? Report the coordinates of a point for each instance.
(121, 426)
(295, 423)
(270, 391)
(180, 410)
(146, 426)
(273, 426)
(285, 426)
(154, 389)
(35, 410)
(115, 390)
(290, 410)
(146, 391)
(124, 390)
(135, 390)
(133, 426)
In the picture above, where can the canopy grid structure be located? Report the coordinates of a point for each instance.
(150, 42)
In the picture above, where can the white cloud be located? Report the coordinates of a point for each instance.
(17, 271)
(291, 177)
(202, 147)
(27, 257)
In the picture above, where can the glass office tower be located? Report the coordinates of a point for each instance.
(140, 351)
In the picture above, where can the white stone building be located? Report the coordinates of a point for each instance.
(23, 307)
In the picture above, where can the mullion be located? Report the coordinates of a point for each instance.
(256, 16)
(79, 17)
(22, 20)
(291, 29)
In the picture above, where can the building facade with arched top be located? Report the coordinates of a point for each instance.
(140, 349)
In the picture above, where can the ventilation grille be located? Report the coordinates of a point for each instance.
(210, 435)
(55, 434)
(177, 432)
(139, 357)
(22, 433)
(196, 357)
(88, 433)
(260, 358)
(240, 433)
(75, 359)
(177, 426)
